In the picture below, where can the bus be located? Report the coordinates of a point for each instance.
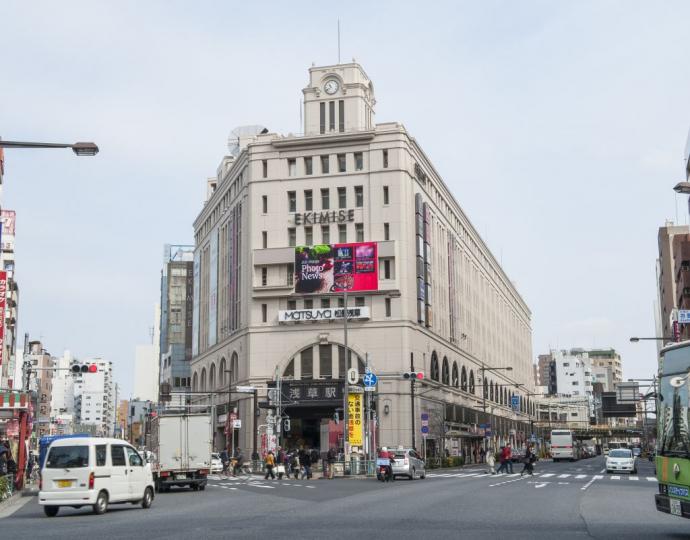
(612, 445)
(563, 445)
(673, 443)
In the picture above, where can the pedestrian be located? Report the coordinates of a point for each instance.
(294, 464)
(305, 460)
(282, 462)
(239, 461)
(502, 460)
(529, 460)
(331, 458)
(482, 455)
(491, 461)
(509, 457)
(225, 460)
(270, 462)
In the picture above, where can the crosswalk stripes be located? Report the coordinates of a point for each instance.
(615, 477)
(651, 478)
(547, 475)
(633, 478)
(581, 476)
(543, 475)
(563, 475)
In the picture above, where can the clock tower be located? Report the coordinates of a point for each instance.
(339, 99)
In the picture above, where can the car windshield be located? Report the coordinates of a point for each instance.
(68, 457)
(620, 453)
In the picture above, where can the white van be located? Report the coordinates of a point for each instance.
(96, 472)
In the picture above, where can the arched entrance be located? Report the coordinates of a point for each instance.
(312, 382)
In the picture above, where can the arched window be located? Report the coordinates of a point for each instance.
(234, 368)
(221, 372)
(434, 367)
(445, 373)
(455, 379)
(471, 381)
(491, 391)
(463, 379)
(195, 382)
(212, 377)
(203, 380)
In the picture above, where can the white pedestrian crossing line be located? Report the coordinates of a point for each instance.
(581, 476)
(651, 479)
(615, 477)
(634, 478)
(563, 475)
(547, 475)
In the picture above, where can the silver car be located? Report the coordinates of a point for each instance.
(408, 463)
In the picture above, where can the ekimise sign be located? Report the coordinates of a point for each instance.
(336, 268)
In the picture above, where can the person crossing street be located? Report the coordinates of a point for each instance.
(270, 462)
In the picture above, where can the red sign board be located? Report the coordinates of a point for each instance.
(3, 301)
(336, 268)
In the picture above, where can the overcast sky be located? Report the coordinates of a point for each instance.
(559, 127)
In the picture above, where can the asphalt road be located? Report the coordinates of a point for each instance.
(562, 500)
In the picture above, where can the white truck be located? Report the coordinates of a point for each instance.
(182, 446)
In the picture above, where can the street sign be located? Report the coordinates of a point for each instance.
(352, 375)
(425, 416)
(425, 429)
(245, 389)
(515, 402)
(237, 424)
(369, 379)
(684, 316)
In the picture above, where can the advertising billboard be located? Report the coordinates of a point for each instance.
(3, 292)
(336, 268)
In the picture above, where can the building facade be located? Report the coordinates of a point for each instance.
(546, 371)
(175, 344)
(441, 303)
(666, 274)
(607, 367)
(62, 400)
(94, 400)
(41, 385)
(9, 289)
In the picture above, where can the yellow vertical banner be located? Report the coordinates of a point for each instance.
(355, 419)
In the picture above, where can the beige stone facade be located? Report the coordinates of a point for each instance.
(348, 179)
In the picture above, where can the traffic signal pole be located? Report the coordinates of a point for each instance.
(412, 380)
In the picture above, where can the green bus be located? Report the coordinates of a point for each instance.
(673, 443)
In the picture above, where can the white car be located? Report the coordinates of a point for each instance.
(621, 460)
(216, 463)
(94, 472)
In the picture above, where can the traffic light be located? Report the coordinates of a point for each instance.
(419, 375)
(79, 369)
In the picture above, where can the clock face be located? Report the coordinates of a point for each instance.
(331, 87)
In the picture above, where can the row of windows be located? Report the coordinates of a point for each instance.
(325, 235)
(331, 116)
(325, 199)
(324, 163)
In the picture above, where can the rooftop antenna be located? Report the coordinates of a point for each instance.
(338, 41)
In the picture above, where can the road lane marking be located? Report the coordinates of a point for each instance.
(615, 477)
(543, 484)
(580, 476)
(563, 475)
(563, 483)
(594, 478)
(602, 470)
(634, 478)
(651, 478)
(547, 475)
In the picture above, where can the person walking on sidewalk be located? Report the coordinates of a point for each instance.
(331, 459)
(270, 462)
(508, 454)
(491, 461)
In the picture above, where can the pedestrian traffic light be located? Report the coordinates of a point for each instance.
(78, 369)
(419, 375)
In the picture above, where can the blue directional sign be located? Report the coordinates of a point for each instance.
(369, 379)
(425, 429)
(515, 402)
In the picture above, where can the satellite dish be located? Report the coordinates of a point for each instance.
(242, 132)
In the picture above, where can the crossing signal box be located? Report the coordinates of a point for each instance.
(78, 369)
(418, 375)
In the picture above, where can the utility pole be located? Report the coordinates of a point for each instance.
(346, 396)
(412, 380)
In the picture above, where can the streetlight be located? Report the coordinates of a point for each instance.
(79, 148)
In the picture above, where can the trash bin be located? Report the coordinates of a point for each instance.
(355, 465)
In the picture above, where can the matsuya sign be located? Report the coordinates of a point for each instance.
(327, 216)
(323, 314)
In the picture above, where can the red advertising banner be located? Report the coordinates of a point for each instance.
(3, 293)
(9, 218)
(336, 268)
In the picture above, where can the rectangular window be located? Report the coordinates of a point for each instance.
(385, 159)
(325, 169)
(359, 196)
(331, 115)
(308, 200)
(325, 303)
(264, 276)
(308, 165)
(309, 236)
(388, 307)
(117, 456)
(292, 237)
(342, 197)
(325, 199)
(325, 234)
(386, 231)
(264, 239)
(359, 232)
(290, 273)
(359, 161)
(386, 269)
(292, 304)
(307, 363)
(359, 301)
(72, 457)
(264, 312)
(341, 116)
(292, 167)
(100, 455)
(341, 301)
(341, 162)
(308, 303)
(325, 362)
(322, 117)
(341, 361)
(386, 199)
(342, 233)
(292, 201)
(264, 167)
(264, 204)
